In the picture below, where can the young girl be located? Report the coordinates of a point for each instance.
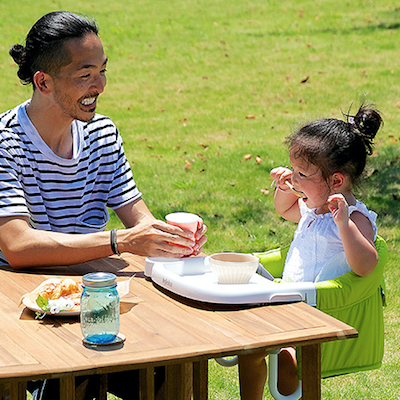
(335, 232)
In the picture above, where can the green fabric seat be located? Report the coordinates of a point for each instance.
(357, 301)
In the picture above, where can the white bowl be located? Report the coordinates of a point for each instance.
(233, 268)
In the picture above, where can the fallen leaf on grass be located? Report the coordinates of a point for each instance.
(251, 116)
(187, 165)
(247, 157)
(258, 160)
(305, 79)
(264, 191)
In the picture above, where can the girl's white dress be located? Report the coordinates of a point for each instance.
(316, 252)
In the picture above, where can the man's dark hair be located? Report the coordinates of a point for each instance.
(45, 48)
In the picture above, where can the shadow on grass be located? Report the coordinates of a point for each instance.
(383, 186)
(362, 29)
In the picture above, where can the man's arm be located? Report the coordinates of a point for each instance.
(25, 247)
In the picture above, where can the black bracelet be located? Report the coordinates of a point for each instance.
(113, 240)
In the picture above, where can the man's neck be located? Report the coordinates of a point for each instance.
(55, 129)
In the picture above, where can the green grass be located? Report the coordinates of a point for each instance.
(182, 78)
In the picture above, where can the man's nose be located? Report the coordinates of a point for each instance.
(99, 83)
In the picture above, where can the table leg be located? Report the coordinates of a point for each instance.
(67, 388)
(146, 384)
(200, 380)
(102, 387)
(179, 381)
(4, 390)
(18, 390)
(311, 371)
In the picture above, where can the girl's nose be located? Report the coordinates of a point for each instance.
(293, 178)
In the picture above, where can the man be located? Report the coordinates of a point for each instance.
(62, 165)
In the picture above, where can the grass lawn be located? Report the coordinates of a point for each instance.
(199, 89)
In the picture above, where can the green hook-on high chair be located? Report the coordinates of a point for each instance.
(357, 301)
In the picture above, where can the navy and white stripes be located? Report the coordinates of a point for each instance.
(58, 194)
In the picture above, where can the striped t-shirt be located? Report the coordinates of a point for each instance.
(58, 194)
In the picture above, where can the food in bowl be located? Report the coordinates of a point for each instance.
(233, 268)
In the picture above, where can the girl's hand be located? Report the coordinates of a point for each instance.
(280, 175)
(285, 201)
(338, 206)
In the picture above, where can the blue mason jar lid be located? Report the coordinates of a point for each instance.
(99, 279)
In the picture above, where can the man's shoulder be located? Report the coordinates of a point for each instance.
(10, 129)
(9, 120)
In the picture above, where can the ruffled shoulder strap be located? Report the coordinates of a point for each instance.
(371, 215)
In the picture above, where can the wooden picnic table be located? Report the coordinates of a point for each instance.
(161, 329)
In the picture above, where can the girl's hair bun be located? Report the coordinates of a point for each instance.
(366, 123)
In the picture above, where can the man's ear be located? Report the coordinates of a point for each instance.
(42, 82)
(337, 181)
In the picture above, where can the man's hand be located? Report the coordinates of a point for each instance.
(148, 236)
(155, 238)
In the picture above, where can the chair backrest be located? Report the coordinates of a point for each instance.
(357, 301)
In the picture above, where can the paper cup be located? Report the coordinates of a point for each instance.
(184, 220)
(233, 268)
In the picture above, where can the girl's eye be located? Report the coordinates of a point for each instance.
(302, 175)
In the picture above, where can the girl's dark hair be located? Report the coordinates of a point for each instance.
(44, 49)
(334, 145)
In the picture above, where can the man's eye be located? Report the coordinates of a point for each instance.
(302, 175)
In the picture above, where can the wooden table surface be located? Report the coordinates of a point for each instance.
(160, 329)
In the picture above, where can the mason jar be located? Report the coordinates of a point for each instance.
(99, 307)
